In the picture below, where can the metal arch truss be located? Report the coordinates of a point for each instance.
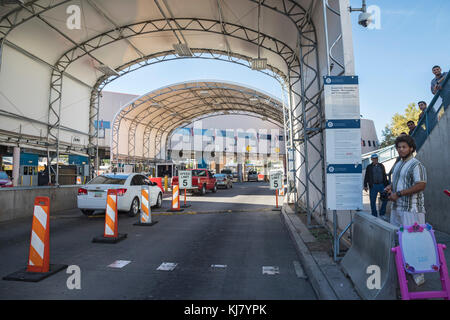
(185, 98)
(148, 27)
(304, 118)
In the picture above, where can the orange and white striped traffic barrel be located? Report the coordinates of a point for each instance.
(176, 198)
(39, 257)
(111, 228)
(145, 206)
(145, 217)
(111, 232)
(282, 190)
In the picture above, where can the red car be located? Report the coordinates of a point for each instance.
(202, 180)
(5, 181)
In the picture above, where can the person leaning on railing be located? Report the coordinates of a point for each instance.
(439, 83)
(430, 116)
(436, 82)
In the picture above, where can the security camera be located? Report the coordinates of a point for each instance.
(365, 19)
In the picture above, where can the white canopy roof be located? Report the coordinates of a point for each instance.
(142, 127)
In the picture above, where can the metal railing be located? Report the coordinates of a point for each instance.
(429, 120)
(384, 154)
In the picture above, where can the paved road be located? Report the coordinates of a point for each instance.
(243, 241)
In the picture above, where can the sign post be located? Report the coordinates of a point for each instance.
(185, 182)
(276, 182)
(343, 148)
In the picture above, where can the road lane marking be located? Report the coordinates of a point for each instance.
(270, 270)
(167, 266)
(218, 266)
(119, 264)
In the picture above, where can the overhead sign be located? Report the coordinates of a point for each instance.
(276, 180)
(343, 143)
(185, 179)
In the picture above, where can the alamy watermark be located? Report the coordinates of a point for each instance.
(374, 280)
(375, 21)
(74, 281)
(74, 19)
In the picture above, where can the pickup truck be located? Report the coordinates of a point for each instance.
(202, 180)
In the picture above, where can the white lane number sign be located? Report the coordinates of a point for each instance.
(275, 178)
(185, 179)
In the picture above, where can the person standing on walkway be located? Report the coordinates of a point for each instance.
(409, 179)
(376, 179)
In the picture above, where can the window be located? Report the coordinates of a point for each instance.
(198, 173)
(369, 143)
(137, 180)
(374, 143)
(119, 179)
(146, 181)
(364, 143)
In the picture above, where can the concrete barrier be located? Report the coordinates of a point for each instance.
(434, 156)
(371, 245)
(18, 202)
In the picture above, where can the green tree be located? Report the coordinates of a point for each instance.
(388, 137)
(398, 124)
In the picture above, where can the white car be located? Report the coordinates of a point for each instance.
(92, 196)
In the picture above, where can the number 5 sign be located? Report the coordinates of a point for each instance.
(275, 180)
(185, 179)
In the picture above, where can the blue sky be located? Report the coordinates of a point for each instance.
(393, 63)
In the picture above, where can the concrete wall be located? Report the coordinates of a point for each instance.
(435, 156)
(19, 202)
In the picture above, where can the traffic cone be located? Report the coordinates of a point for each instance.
(38, 266)
(145, 217)
(176, 198)
(111, 234)
(39, 257)
(282, 190)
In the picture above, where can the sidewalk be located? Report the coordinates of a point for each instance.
(313, 248)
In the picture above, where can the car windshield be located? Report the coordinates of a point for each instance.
(219, 176)
(252, 172)
(3, 175)
(199, 173)
(116, 179)
(226, 171)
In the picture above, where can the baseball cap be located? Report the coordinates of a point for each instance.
(374, 156)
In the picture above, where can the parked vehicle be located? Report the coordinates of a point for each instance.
(92, 196)
(5, 181)
(202, 180)
(224, 180)
(227, 172)
(252, 176)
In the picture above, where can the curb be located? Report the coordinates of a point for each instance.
(318, 280)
